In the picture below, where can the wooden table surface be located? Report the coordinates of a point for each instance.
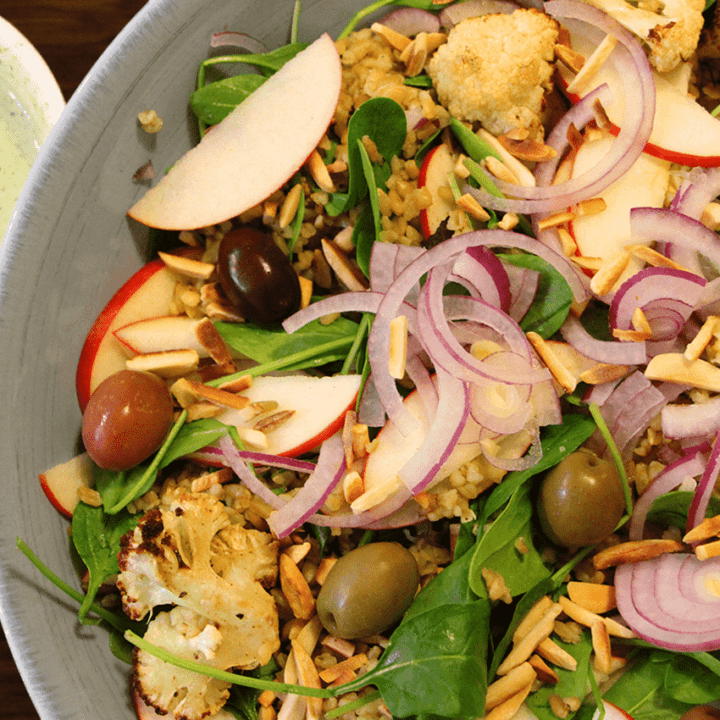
(70, 35)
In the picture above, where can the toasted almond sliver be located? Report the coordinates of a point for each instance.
(188, 266)
(398, 41)
(290, 205)
(256, 438)
(347, 437)
(521, 172)
(572, 60)
(297, 553)
(266, 698)
(310, 634)
(507, 709)
(219, 397)
(591, 206)
(553, 653)
(602, 373)
(323, 569)
(609, 273)
(202, 411)
(353, 486)
(708, 550)
(578, 613)
(544, 672)
(601, 116)
(709, 527)
(398, 347)
(593, 597)
(513, 682)
(634, 551)
(500, 170)
(334, 671)
(590, 67)
(559, 371)
(319, 172)
(308, 677)
(588, 263)
(360, 440)
(527, 645)
(306, 290)
(534, 615)
(220, 477)
(640, 322)
(698, 344)
(569, 246)
(675, 367)
(631, 335)
(238, 384)
(472, 207)
(376, 495)
(209, 337)
(653, 257)
(559, 218)
(601, 646)
(170, 364)
(342, 266)
(527, 149)
(339, 645)
(296, 590)
(616, 629)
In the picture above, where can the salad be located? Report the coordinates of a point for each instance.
(417, 415)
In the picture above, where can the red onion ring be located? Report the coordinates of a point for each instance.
(608, 351)
(238, 39)
(705, 487)
(410, 21)
(486, 274)
(692, 420)
(453, 14)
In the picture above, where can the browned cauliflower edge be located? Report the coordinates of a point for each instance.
(671, 34)
(213, 572)
(496, 70)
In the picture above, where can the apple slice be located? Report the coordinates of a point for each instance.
(434, 175)
(254, 150)
(61, 483)
(319, 405)
(683, 132)
(148, 293)
(161, 334)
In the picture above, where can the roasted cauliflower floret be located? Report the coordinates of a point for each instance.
(671, 33)
(191, 556)
(496, 69)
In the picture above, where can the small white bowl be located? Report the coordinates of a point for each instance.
(30, 104)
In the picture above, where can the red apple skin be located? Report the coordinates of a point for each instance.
(425, 180)
(61, 482)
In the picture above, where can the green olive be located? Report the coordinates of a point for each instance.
(368, 590)
(581, 500)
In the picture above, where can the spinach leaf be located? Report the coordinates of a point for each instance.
(435, 663)
(214, 102)
(192, 437)
(362, 14)
(672, 508)
(640, 691)
(571, 683)
(264, 345)
(552, 299)
(96, 537)
(120, 647)
(496, 550)
(384, 122)
(690, 682)
(420, 81)
(557, 441)
(296, 224)
(367, 229)
(270, 61)
(477, 148)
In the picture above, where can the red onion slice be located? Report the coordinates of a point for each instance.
(524, 284)
(621, 353)
(410, 21)
(453, 14)
(486, 274)
(706, 485)
(692, 420)
(238, 39)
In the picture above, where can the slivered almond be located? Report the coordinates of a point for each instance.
(522, 174)
(310, 634)
(697, 346)
(169, 364)
(569, 58)
(415, 55)
(544, 672)
(319, 172)
(709, 527)
(184, 393)
(640, 322)
(634, 551)
(202, 411)
(593, 597)
(577, 613)
(209, 337)
(707, 550)
(290, 205)
(334, 671)
(347, 437)
(601, 646)
(609, 273)
(559, 218)
(398, 347)
(322, 273)
(339, 645)
(188, 266)
(675, 367)
(527, 645)
(323, 569)
(353, 486)
(297, 553)
(223, 311)
(588, 263)
(308, 677)
(602, 373)
(563, 376)
(273, 421)
(507, 709)
(219, 397)
(631, 335)
(534, 615)
(360, 440)
(351, 277)
(500, 170)
(513, 682)
(253, 437)
(580, 82)
(220, 477)
(270, 208)
(617, 629)
(346, 676)
(527, 149)
(553, 653)
(472, 207)
(569, 246)
(266, 698)
(653, 257)
(574, 137)
(398, 41)
(306, 290)
(591, 206)
(601, 116)
(238, 384)
(296, 590)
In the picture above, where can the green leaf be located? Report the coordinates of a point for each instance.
(296, 224)
(192, 437)
(120, 647)
(496, 549)
(690, 682)
(557, 441)
(552, 299)
(367, 229)
(477, 148)
(571, 683)
(214, 102)
(672, 508)
(265, 345)
(420, 81)
(96, 537)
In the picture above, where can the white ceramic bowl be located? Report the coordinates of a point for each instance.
(30, 104)
(69, 248)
